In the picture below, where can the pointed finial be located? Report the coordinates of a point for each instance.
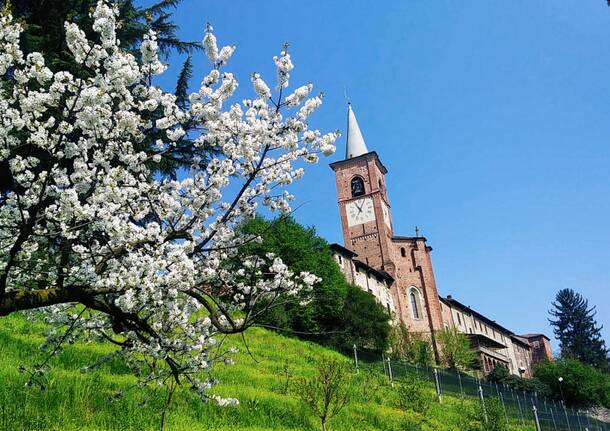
(417, 232)
(355, 142)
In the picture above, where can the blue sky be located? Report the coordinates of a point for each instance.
(491, 117)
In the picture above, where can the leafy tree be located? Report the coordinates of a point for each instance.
(363, 322)
(455, 350)
(328, 391)
(333, 313)
(410, 346)
(317, 311)
(577, 331)
(103, 249)
(581, 385)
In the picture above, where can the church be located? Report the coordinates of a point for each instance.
(398, 269)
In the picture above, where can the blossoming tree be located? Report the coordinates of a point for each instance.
(97, 243)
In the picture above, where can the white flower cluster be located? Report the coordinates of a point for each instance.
(84, 220)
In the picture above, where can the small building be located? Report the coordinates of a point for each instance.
(541, 347)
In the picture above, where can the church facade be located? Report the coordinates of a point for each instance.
(398, 270)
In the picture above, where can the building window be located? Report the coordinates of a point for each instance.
(340, 259)
(389, 310)
(415, 303)
(403, 252)
(459, 319)
(357, 186)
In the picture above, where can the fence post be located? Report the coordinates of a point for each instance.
(385, 370)
(438, 386)
(356, 358)
(553, 419)
(565, 411)
(390, 372)
(482, 400)
(520, 410)
(504, 406)
(460, 380)
(578, 419)
(535, 410)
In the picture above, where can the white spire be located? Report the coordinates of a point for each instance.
(355, 142)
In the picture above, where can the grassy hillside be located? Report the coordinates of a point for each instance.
(74, 400)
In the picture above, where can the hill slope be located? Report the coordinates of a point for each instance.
(74, 400)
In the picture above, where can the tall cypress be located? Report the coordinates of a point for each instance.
(577, 331)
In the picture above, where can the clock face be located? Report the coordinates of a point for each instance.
(360, 211)
(386, 215)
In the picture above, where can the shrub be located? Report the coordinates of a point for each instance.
(410, 346)
(499, 374)
(328, 391)
(413, 394)
(491, 417)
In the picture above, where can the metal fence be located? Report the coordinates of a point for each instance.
(525, 408)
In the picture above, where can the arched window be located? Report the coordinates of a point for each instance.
(403, 252)
(357, 186)
(415, 303)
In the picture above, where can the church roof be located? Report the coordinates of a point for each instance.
(340, 249)
(377, 272)
(528, 336)
(355, 142)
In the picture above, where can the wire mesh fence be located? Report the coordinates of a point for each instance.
(520, 407)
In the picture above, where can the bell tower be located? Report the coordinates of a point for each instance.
(368, 231)
(363, 200)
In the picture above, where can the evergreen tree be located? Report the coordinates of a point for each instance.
(44, 32)
(577, 331)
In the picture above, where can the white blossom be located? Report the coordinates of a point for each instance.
(155, 260)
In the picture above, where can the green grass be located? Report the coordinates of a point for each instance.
(74, 400)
